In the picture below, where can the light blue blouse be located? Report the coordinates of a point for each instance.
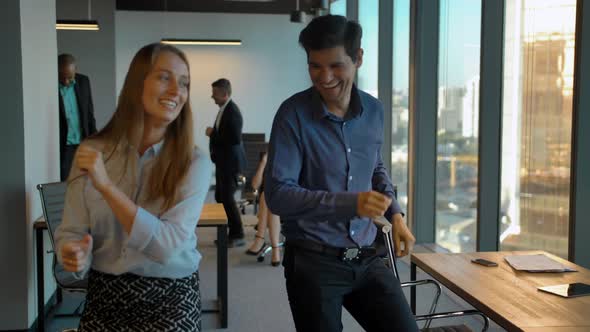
(161, 243)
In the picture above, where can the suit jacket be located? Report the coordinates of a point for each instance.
(85, 109)
(225, 143)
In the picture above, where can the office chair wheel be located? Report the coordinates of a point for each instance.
(260, 259)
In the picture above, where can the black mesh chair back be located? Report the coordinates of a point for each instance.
(254, 144)
(254, 151)
(253, 137)
(52, 201)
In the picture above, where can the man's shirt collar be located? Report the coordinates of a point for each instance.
(355, 108)
(73, 82)
(222, 107)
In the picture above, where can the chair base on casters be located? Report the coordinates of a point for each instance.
(248, 198)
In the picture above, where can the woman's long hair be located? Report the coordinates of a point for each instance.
(126, 128)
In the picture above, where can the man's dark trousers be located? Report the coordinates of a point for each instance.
(319, 285)
(225, 188)
(69, 152)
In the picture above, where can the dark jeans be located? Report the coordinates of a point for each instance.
(67, 159)
(225, 188)
(319, 285)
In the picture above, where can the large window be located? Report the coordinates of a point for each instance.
(369, 20)
(399, 111)
(537, 122)
(458, 120)
(338, 7)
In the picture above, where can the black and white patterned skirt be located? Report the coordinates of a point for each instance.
(133, 303)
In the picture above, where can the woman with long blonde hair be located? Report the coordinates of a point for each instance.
(134, 196)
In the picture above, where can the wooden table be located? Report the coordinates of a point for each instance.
(507, 296)
(213, 215)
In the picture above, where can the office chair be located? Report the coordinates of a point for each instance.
(52, 201)
(253, 137)
(250, 196)
(385, 227)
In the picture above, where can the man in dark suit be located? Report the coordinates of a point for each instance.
(76, 111)
(227, 152)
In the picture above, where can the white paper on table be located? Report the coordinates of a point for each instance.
(536, 263)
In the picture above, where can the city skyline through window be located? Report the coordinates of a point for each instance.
(537, 124)
(400, 106)
(338, 7)
(367, 74)
(457, 125)
(539, 46)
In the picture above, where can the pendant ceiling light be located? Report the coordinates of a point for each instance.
(196, 42)
(203, 42)
(88, 24)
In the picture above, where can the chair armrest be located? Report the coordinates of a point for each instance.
(486, 320)
(383, 224)
(422, 282)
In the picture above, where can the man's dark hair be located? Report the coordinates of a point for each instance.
(65, 59)
(332, 31)
(223, 84)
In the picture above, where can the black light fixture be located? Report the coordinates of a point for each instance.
(297, 16)
(323, 9)
(77, 25)
(88, 24)
(202, 42)
(198, 42)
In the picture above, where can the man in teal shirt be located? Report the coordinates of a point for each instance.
(76, 111)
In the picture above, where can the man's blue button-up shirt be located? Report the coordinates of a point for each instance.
(317, 165)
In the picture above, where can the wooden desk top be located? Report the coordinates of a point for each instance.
(510, 297)
(211, 216)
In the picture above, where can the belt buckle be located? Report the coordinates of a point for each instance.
(350, 253)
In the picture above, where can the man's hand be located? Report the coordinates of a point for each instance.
(401, 233)
(89, 161)
(75, 254)
(372, 204)
(209, 131)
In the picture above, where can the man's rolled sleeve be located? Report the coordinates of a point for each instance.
(346, 204)
(393, 209)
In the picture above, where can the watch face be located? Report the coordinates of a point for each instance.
(568, 290)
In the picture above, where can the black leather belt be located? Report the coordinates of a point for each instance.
(345, 254)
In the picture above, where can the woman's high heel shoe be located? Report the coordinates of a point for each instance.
(262, 247)
(275, 263)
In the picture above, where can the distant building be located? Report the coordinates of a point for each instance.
(450, 109)
(470, 122)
